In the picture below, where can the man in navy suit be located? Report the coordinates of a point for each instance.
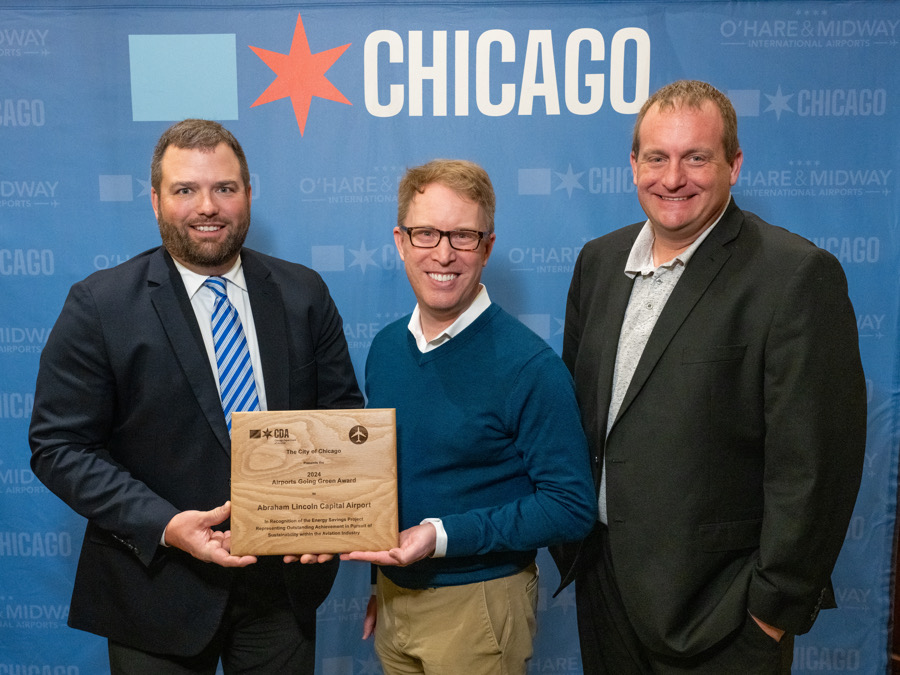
(129, 430)
(716, 363)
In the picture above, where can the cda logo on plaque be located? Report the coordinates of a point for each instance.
(313, 481)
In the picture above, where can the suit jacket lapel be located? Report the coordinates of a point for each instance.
(702, 268)
(618, 289)
(173, 307)
(271, 330)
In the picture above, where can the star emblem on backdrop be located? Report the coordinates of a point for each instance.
(370, 666)
(563, 601)
(363, 257)
(778, 103)
(145, 187)
(569, 181)
(300, 75)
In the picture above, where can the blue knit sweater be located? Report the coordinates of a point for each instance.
(489, 439)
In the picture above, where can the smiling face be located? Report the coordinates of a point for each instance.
(681, 172)
(202, 207)
(444, 280)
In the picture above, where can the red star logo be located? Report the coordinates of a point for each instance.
(300, 75)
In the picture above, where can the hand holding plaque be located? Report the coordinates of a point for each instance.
(416, 543)
(313, 481)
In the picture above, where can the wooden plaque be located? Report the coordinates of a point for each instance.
(313, 481)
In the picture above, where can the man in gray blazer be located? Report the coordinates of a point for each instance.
(129, 428)
(717, 368)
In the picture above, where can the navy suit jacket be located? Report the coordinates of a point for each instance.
(735, 459)
(128, 430)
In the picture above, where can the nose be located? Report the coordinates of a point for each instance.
(207, 204)
(444, 253)
(674, 176)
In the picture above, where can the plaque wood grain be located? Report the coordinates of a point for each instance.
(313, 481)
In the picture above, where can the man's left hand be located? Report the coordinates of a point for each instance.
(770, 630)
(416, 543)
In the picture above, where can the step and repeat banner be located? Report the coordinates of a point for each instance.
(332, 101)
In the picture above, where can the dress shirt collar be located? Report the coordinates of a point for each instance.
(640, 259)
(463, 321)
(194, 281)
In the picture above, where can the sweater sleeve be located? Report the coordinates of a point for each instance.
(543, 415)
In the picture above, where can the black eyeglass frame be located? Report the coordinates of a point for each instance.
(441, 234)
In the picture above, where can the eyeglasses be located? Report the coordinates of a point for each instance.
(430, 237)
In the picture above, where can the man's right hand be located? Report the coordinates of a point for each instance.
(371, 618)
(191, 531)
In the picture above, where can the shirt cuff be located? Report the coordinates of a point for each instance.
(440, 544)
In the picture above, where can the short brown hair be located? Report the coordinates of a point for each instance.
(195, 134)
(465, 178)
(692, 93)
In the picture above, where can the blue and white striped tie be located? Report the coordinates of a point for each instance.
(236, 381)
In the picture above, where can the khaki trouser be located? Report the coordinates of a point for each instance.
(484, 628)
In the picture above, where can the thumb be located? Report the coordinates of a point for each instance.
(218, 515)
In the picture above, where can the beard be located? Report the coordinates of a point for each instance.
(211, 254)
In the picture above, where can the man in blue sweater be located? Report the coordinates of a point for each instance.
(492, 460)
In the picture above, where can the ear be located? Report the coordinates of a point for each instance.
(488, 246)
(154, 201)
(736, 166)
(399, 242)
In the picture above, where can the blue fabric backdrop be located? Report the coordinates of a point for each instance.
(543, 94)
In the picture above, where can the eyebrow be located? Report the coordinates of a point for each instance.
(701, 150)
(194, 184)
